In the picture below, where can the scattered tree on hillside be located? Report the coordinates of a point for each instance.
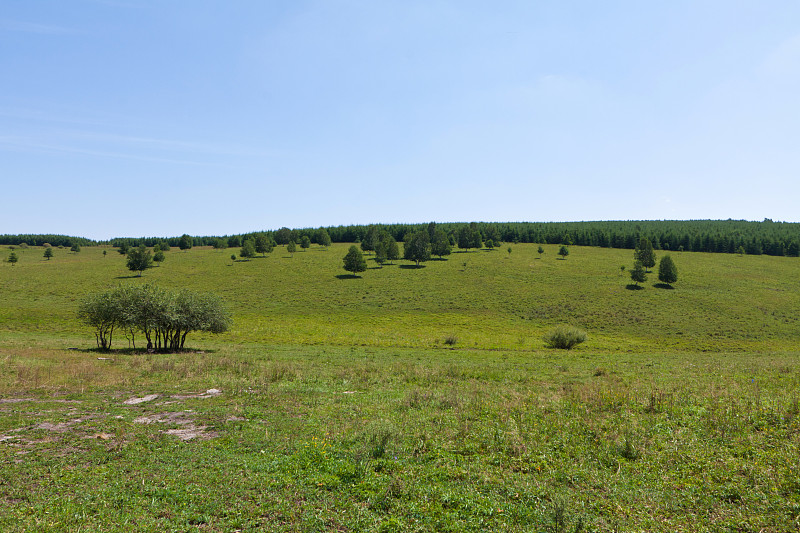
(380, 253)
(139, 259)
(440, 244)
(644, 254)
(104, 253)
(418, 248)
(48, 253)
(490, 244)
(354, 260)
(233, 258)
(12, 258)
(540, 250)
(740, 250)
(392, 248)
(638, 273)
(323, 238)
(563, 251)
(159, 257)
(75, 248)
(291, 248)
(667, 271)
(185, 242)
(220, 244)
(305, 242)
(263, 244)
(123, 248)
(164, 246)
(248, 249)
(283, 236)
(370, 239)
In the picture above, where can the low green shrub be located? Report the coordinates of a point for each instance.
(564, 337)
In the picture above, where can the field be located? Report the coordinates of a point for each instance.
(335, 404)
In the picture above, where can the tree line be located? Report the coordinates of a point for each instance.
(719, 236)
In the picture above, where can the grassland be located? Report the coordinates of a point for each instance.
(341, 408)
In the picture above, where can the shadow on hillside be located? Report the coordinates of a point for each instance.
(664, 286)
(128, 277)
(413, 267)
(347, 276)
(136, 351)
(633, 287)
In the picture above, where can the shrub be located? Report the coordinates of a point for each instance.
(564, 337)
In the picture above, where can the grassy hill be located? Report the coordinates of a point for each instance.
(487, 300)
(334, 405)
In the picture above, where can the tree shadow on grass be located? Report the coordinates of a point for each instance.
(633, 287)
(664, 286)
(139, 350)
(128, 277)
(347, 276)
(413, 267)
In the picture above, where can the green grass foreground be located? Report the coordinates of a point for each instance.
(342, 408)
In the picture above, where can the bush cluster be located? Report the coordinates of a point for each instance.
(564, 337)
(163, 317)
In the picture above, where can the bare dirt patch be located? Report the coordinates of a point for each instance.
(189, 429)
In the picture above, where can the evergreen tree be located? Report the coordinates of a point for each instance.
(638, 273)
(305, 242)
(185, 242)
(12, 258)
(48, 253)
(644, 254)
(667, 271)
(563, 251)
(370, 239)
(75, 248)
(354, 260)
(540, 250)
(291, 248)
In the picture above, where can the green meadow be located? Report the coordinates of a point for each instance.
(335, 403)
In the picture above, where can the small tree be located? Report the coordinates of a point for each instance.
(392, 248)
(220, 243)
(291, 248)
(305, 242)
(667, 271)
(440, 244)
(48, 253)
(509, 250)
(159, 257)
(540, 250)
(490, 244)
(323, 238)
(248, 249)
(644, 254)
(380, 253)
(75, 248)
(638, 273)
(563, 251)
(354, 260)
(263, 245)
(233, 258)
(185, 242)
(123, 248)
(418, 248)
(12, 258)
(105, 252)
(139, 259)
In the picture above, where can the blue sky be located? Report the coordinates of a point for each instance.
(134, 118)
